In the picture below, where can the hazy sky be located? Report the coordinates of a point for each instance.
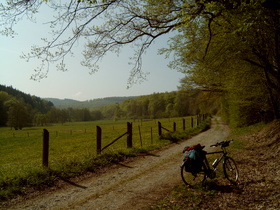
(77, 83)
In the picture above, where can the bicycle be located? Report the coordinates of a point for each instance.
(229, 167)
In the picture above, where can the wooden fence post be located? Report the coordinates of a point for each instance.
(129, 135)
(45, 158)
(159, 128)
(192, 122)
(140, 136)
(174, 126)
(184, 124)
(151, 135)
(98, 139)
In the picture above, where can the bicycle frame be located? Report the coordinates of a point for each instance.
(216, 163)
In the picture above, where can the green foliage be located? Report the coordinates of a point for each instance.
(18, 109)
(157, 105)
(238, 131)
(180, 135)
(36, 103)
(162, 105)
(232, 51)
(4, 109)
(17, 114)
(36, 178)
(247, 100)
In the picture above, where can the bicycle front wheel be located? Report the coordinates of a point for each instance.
(230, 170)
(193, 179)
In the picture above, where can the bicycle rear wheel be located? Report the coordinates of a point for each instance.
(230, 170)
(193, 179)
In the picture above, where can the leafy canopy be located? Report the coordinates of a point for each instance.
(106, 25)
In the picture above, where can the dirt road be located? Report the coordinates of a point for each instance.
(133, 184)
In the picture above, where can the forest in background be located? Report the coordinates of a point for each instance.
(19, 110)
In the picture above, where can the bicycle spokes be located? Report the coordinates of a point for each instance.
(230, 170)
(192, 179)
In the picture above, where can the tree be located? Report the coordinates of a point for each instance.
(183, 103)
(86, 116)
(40, 119)
(96, 115)
(57, 116)
(233, 52)
(157, 106)
(17, 114)
(3, 108)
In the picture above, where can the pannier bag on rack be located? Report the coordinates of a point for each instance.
(194, 157)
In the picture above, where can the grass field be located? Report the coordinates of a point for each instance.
(21, 150)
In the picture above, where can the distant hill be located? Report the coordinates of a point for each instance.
(44, 105)
(35, 102)
(90, 104)
(62, 102)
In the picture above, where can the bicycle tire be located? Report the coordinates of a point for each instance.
(230, 170)
(193, 179)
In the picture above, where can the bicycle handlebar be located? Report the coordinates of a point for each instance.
(222, 143)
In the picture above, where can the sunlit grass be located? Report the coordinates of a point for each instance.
(72, 149)
(238, 131)
(72, 140)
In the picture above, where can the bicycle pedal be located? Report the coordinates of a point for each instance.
(212, 174)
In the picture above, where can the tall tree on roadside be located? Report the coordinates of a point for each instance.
(233, 52)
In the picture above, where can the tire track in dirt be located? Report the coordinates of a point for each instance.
(135, 184)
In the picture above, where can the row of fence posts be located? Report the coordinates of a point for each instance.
(199, 119)
(128, 133)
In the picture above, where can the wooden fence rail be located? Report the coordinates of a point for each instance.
(128, 134)
(99, 148)
(160, 127)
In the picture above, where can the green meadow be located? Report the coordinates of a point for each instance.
(21, 150)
